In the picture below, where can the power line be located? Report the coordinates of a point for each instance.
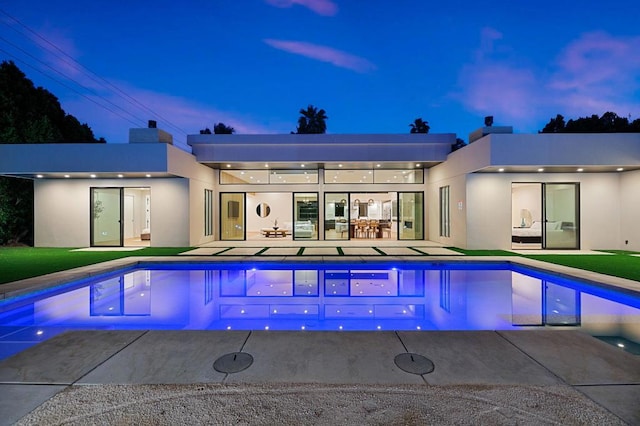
(68, 86)
(89, 73)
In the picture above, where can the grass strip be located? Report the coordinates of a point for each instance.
(17, 263)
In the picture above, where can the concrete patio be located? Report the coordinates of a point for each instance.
(563, 371)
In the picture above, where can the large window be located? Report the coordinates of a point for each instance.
(445, 212)
(232, 216)
(306, 216)
(208, 212)
(336, 216)
(397, 176)
(411, 215)
(265, 177)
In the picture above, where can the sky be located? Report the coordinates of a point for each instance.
(373, 66)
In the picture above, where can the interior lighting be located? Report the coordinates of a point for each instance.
(339, 165)
(417, 165)
(148, 175)
(501, 170)
(266, 165)
(378, 165)
(301, 165)
(67, 176)
(541, 169)
(620, 169)
(93, 176)
(228, 165)
(580, 170)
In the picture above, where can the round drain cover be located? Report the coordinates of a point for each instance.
(414, 363)
(233, 362)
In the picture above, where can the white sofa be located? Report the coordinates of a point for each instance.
(303, 229)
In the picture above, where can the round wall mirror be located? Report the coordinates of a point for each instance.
(263, 209)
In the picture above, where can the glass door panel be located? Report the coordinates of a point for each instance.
(336, 216)
(106, 217)
(305, 225)
(561, 215)
(232, 216)
(411, 215)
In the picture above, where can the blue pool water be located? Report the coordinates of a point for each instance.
(434, 296)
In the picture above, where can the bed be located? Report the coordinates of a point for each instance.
(563, 231)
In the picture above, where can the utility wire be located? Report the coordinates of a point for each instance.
(89, 73)
(68, 87)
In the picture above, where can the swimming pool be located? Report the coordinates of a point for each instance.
(305, 296)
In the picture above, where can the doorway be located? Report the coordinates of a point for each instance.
(545, 215)
(120, 217)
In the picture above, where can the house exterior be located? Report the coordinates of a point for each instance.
(501, 191)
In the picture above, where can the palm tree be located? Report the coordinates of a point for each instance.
(419, 126)
(312, 120)
(223, 129)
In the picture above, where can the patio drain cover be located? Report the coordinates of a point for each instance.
(233, 362)
(414, 363)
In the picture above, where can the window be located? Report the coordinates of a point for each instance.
(208, 212)
(264, 177)
(445, 224)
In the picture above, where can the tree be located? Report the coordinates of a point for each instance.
(609, 122)
(223, 129)
(555, 125)
(459, 144)
(312, 121)
(419, 126)
(205, 131)
(29, 114)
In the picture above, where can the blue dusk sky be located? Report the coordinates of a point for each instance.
(374, 66)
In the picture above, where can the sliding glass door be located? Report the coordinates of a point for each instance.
(411, 215)
(560, 207)
(232, 216)
(106, 217)
(305, 225)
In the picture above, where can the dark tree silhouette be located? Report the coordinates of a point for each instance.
(205, 131)
(223, 129)
(459, 144)
(312, 121)
(419, 126)
(609, 122)
(29, 114)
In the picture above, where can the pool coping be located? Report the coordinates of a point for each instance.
(43, 282)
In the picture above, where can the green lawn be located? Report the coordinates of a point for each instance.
(24, 262)
(618, 263)
(17, 263)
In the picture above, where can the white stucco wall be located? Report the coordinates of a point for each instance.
(489, 214)
(630, 210)
(61, 210)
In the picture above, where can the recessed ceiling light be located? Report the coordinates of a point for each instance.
(39, 176)
(266, 165)
(148, 175)
(619, 169)
(378, 165)
(580, 170)
(501, 170)
(120, 176)
(228, 165)
(339, 165)
(67, 176)
(417, 165)
(93, 176)
(541, 169)
(301, 165)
